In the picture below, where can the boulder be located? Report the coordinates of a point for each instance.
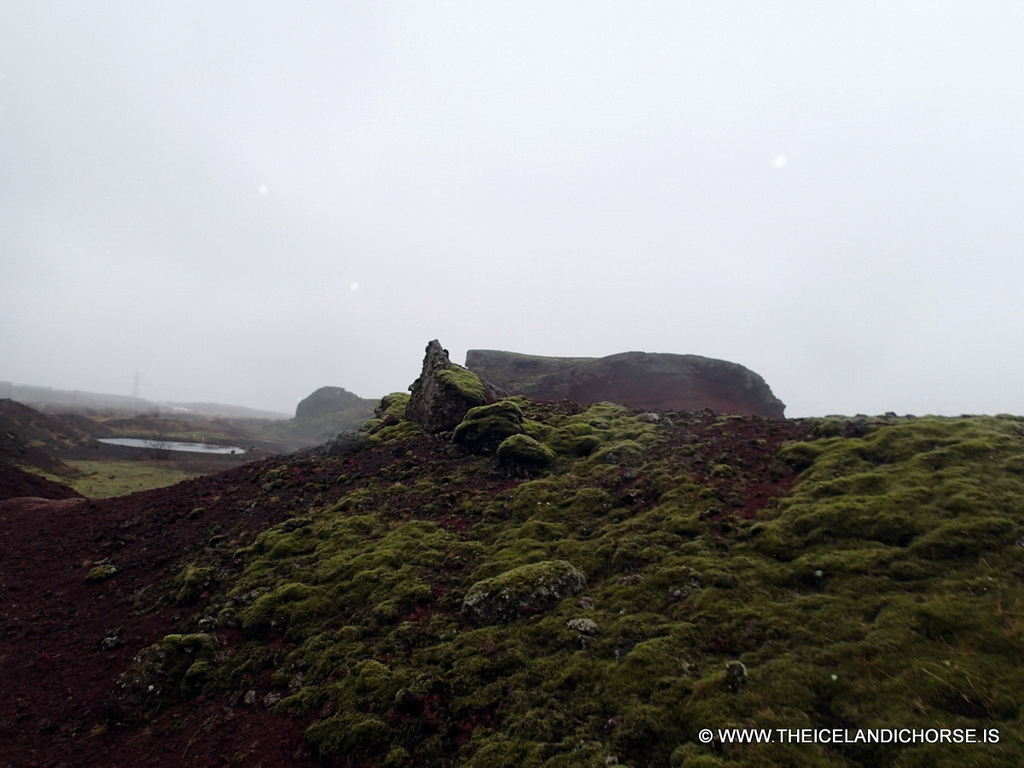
(346, 443)
(487, 426)
(444, 392)
(653, 381)
(522, 591)
(524, 455)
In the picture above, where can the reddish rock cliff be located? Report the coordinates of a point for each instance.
(640, 379)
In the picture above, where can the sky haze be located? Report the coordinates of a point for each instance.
(243, 202)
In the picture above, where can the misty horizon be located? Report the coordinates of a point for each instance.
(244, 204)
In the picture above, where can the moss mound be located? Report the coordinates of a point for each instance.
(485, 427)
(523, 453)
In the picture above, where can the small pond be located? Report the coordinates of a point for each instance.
(172, 445)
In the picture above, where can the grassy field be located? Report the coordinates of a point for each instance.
(104, 479)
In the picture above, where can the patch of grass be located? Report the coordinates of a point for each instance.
(105, 479)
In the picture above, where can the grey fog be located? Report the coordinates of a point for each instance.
(241, 202)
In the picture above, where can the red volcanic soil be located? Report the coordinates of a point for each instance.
(64, 641)
(15, 482)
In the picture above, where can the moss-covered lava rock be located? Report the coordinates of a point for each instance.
(487, 426)
(522, 591)
(176, 666)
(524, 453)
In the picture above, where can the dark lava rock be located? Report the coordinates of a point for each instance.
(653, 381)
(444, 392)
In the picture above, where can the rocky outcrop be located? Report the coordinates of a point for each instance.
(663, 382)
(444, 392)
(328, 400)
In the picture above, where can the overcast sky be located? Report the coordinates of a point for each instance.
(244, 201)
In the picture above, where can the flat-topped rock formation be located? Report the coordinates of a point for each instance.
(640, 379)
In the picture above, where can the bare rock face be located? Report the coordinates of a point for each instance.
(444, 392)
(662, 382)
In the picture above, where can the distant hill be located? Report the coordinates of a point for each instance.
(16, 482)
(227, 411)
(31, 438)
(52, 400)
(48, 398)
(320, 416)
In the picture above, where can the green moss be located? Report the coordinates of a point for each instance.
(624, 452)
(469, 386)
(191, 582)
(961, 538)
(574, 439)
(900, 483)
(294, 607)
(176, 667)
(386, 433)
(350, 734)
(392, 405)
(498, 752)
(433, 610)
(525, 453)
(391, 427)
(485, 427)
